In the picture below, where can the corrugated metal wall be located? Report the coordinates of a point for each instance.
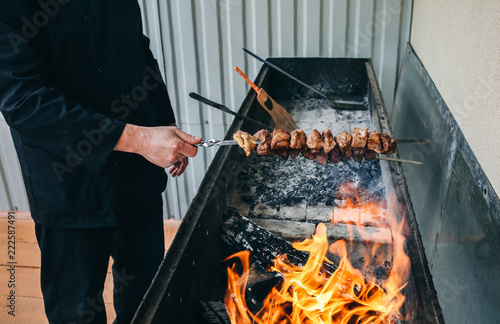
(198, 42)
(12, 193)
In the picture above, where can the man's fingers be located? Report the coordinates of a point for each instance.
(184, 149)
(188, 138)
(179, 167)
(185, 145)
(182, 166)
(173, 170)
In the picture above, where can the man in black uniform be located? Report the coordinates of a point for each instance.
(94, 129)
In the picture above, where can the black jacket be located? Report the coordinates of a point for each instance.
(72, 73)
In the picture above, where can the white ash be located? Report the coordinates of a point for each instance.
(275, 182)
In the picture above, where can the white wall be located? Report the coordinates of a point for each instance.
(458, 44)
(198, 42)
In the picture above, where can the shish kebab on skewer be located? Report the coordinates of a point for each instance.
(214, 142)
(322, 147)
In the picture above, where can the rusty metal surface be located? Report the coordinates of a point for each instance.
(457, 210)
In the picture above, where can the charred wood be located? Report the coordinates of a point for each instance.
(241, 233)
(213, 312)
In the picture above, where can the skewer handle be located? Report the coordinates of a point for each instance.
(247, 79)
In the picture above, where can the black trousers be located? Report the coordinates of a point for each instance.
(75, 262)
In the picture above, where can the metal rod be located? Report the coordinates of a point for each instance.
(413, 141)
(286, 73)
(213, 142)
(397, 160)
(227, 110)
(336, 103)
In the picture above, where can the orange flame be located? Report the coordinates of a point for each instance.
(308, 294)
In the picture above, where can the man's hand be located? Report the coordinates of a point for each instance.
(179, 167)
(164, 146)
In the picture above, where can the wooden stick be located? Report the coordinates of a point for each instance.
(397, 160)
(247, 80)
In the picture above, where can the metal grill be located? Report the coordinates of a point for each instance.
(290, 195)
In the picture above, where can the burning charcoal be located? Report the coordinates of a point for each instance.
(259, 285)
(359, 138)
(314, 141)
(213, 312)
(374, 142)
(274, 182)
(344, 141)
(330, 201)
(382, 272)
(241, 233)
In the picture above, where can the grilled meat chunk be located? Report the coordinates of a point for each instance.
(344, 141)
(322, 157)
(293, 153)
(358, 154)
(347, 155)
(370, 155)
(308, 154)
(314, 141)
(385, 140)
(392, 147)
(245, 141)
(280, 143)
(297, 142)
(388, 144)
(323, 146)
(334, 155)
(264, 146)
(359, 138)
(280, 139)
(283, 153)
(374, 143)
(298, 139)
(328, 141)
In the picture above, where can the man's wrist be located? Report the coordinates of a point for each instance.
(129, 141)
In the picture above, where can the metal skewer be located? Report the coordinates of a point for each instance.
(397, 160)
(413, 141)
(227, 110)
(214, 142)
(335, 103)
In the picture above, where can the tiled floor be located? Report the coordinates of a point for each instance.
(29, 303)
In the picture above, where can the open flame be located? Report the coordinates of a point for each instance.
(309, 294)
